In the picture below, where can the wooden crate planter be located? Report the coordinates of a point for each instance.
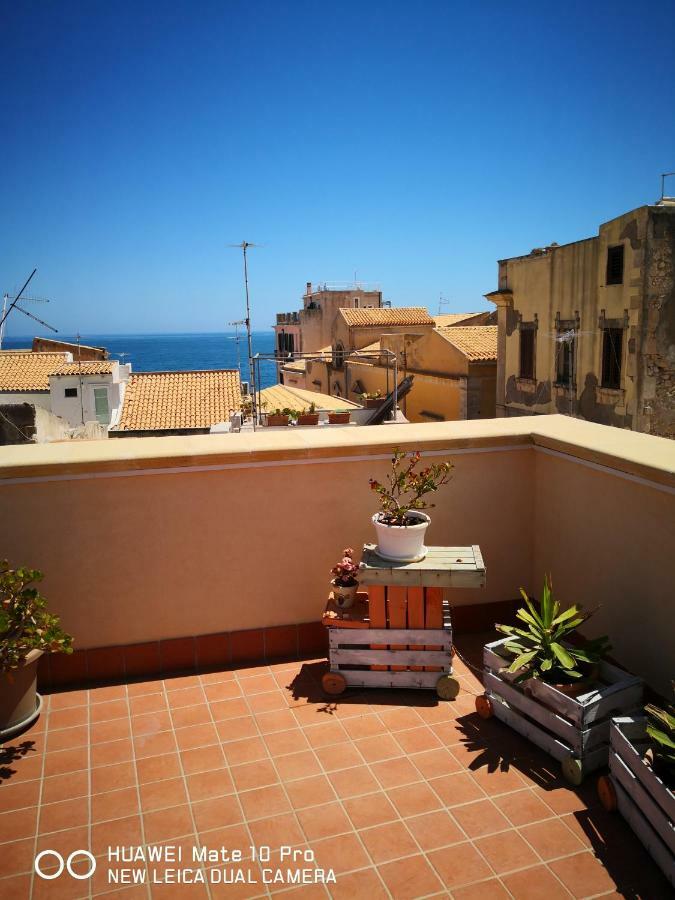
(641, 797)
(402, 635)
(573, 730)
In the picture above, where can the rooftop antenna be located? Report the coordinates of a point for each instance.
(237, 339)
(13, 305)
(243, 246)
(441, 303)
(79, 372)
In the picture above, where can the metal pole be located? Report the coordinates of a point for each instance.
(254, 408)
(13, 304)
(395, 386)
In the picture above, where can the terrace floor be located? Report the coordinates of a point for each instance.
(405, 796)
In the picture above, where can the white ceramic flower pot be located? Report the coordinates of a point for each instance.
(402, 543)
(344, 596)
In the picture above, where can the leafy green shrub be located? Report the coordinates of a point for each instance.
(661, 732)
(25, 624)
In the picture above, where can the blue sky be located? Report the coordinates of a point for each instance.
(412, 143)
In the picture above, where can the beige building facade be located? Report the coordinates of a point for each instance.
(588, 328)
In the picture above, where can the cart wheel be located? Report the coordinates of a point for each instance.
(484, 706)
(447, 687)
(607, 793)
(572, 770)
(333, 683)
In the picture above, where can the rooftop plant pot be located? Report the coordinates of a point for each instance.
(374, 402)
(338, 418)
(344, 595)
(20, 703)
(309, 419)
(402, 543)
(276, 420)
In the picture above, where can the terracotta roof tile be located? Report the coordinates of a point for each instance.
(168, 401)
(93, 367)
(24, 370)
(281, 396)
(384, 316)
(447, 320)
(477, 342)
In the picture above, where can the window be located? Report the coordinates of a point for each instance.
(527, 336)
(612, 348)
(101, 405)
(567, 345)
(338, 355)
(615, 264)
(70, 392)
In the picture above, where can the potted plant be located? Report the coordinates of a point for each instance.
(338, 418)
(309, 416)
(371, 399)
(345, 582)
(277, 417)
(401, 525)
(660, 730)
(27, 631)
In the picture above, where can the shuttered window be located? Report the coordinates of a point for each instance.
(615, 264)
(612, 349)
(527, 352)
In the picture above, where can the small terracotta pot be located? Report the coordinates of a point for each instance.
(338, 418)
(309, 419)
(276, 420)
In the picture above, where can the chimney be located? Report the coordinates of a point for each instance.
(309, 288)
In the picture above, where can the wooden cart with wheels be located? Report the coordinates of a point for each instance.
(400, 634)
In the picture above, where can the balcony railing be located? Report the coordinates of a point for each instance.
(289, 318)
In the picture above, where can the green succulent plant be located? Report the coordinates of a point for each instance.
(540, 647)
(661, 732)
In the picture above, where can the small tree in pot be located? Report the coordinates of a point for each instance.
(27, 630)
(345, 581)
(401, 524)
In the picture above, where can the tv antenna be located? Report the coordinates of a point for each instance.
(244, 246)
(237, 339)
(441, 303)
(13, 304)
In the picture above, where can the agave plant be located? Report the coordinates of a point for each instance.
(661, 731)
(540, 649)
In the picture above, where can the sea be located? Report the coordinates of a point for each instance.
(174, 352)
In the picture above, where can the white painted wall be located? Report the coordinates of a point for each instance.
(40, 399)
(81, 408)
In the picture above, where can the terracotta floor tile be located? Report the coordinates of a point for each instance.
(267, 702)
(362, 885)
(308, 714)
(103, 693)
(456, 789)
(222, 710)
(65, 787)
(334, 758)
(246, 750)
(234, 837)
(354, 781)
(282, 742)
(434, 829)
(143, 688)
(341, 853)
(114, 730)
(165, 824)
(243, 672)
(185, 696)
(21, 794)
(184, 716)
(309, 791)
(64, 814)
(410, 878)
(523, 807)
(154, 744)
(389, 841)
(111, 753)
(479, 818)
(562, 800)
(583, 874)
(434, 763)
(68, 699)
(537, 883)
(492, 889)
(254, 775)
(203, 785)
(214, 813)
(326, 734)
(114, 805)
(551, 839)
(417, 740)
(60, 762)
(376, 748)
(157, 768)
(201, 759)
(196, 736)
(70, 717)
(498, 781)
(162, 794)
(266, 801)
(364, 726)
(216, 676)
(147, 703)
(277, 831)
(373, 809)
(222, 690)
(257, 684)
(400, 719)
(413, 799)
(64, 842)
(15, 857)
(151, 723)
(236, 729)
(111, 709)
(120, 832)
(323, 821)
(459, 864)
(393, 773)
(297, 765)
(278, 720)
(506, 852)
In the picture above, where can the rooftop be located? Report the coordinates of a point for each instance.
(386, 316)
(448, 320)
(281, 396)
(169, 401)
(23, 370)
(477, 342)
(93, 367)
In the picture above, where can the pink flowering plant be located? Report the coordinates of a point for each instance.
(407, 487)
(345, 571)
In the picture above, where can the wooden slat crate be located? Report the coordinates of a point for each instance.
(641, 797)
(574, 730)
(450, 567)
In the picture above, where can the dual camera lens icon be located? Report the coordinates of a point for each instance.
(61, 864)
